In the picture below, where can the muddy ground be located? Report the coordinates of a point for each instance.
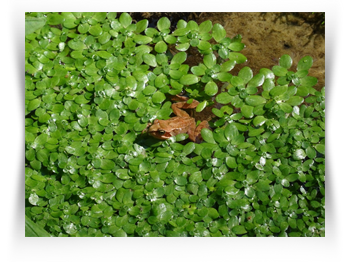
(267, 36)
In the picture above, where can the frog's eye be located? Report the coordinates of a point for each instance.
(161, 132)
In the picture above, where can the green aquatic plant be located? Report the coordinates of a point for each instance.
(93, 83)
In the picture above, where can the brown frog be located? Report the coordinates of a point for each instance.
(182, 123)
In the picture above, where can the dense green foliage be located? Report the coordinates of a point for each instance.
(94, 81)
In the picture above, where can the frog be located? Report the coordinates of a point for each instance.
(182, 123)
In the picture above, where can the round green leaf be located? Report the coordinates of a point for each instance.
(295, 100)
(209, 60)
(223, 98)
(238, 57)
(299, 154)
(179, 58)
(286, 107)
(278, 90)
(211, 88)
(207, 135)
(189, 79)
(205, 27)
(320, 148)
(163, 24)
(201, 106)
(239, 230)
(142, 39)
(198, 70)
(236, 46)
(255, 100)
(218, 32)
(228, 65)
(305, 63)
(259, 120)
(34, 104)
(286, 61)
(141, 25)
(247, 111)
(149, 59)
(125, 19)
(161, 47)
(182, 47)
(245, 74)
(279, 70)
(95, 30)
(54, 19)
(158, 97)
(256, 81)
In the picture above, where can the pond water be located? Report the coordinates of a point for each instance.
(267, 36)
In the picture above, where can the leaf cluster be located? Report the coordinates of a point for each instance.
(94, 81)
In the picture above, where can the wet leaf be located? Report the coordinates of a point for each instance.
(150, 59)
(247, 111)
(163, 24)
(158, 97)
(245, 74)
(207, 135)
(286, 61)
(305, 63)
(125, 19)
(218, 32)
(211, 88)
(189, 79)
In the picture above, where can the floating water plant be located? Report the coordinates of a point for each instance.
(95, 81)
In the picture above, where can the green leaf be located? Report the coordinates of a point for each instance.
(33, 23)
(201, 106)
(320, 148)
(238, 57)
(95, 30)
(286, 61)
(305, 63)
(223, 98)
(205, 27)
(256, 81)
(142, 39)
(245, 74)
(279, 70)
(161, 47)
(211, 88)
(34, 230)
(141, 26)
(54, 19)
(255, 100)
(295, 100)
(158, 97)
(207, 135)
(247, 111)
(34, 104)
(125, 19)
(228, 65)
(231, 132)
(189, 79)
(209, 60)
(299, 154)
(218, 32)
(239, 230)
(236, 46)
(278, 90)
(163, 24)
(179, 58)
(149, 59)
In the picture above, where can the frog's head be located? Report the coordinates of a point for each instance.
(158, 132)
